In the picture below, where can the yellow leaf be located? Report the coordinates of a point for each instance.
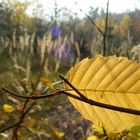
(8, 108)
(110, 80)
(92, 138)
(47, 82)
(58, 133)
(18, 133)
(97, 129)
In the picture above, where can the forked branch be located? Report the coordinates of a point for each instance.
(95, 103)
(79, 97)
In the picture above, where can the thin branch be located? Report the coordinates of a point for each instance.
(94, 24)
(20, 120)
(90, 19)
(16, 123)
(106, 106)
(41, 68)
(85, 99)
(106, 29)
(104, 34)
(81, 97)
(34, 97)
(9, 127)
(27, 110)
(95, 103)
(68, 83)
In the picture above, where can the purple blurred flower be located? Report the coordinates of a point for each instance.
(55, 31)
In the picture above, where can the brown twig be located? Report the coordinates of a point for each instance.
(106, 29)
(41, 68)
(104, 34)
(95, 103)
(102, 105)
(34, 97)
(20, 120)
(9, 127)
(68, 83)
(90, 19)
(80, 98)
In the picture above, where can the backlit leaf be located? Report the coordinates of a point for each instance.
(110, 80)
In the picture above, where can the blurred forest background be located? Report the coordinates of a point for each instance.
(33, 46)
